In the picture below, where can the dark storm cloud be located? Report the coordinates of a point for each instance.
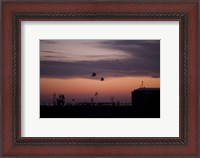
(144, 60)
(103, 56)
(53, 56)
(155, 76)
(50, 52)
(144, 50)
(105, 68)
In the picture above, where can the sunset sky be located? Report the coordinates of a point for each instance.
(66, 67)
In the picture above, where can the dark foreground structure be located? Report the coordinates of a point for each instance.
(145, 104)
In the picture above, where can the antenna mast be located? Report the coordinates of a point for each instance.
(142, 85)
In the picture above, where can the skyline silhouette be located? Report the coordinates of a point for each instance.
(145, 103)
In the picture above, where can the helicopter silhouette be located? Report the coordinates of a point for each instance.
(102, 79)
(94, 74)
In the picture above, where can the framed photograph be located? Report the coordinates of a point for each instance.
(96, 78)
(100, 79)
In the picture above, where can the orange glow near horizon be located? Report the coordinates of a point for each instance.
(82, 89)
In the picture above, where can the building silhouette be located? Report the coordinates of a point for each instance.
(146, 101)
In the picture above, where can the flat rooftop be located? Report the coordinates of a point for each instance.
(147, 89)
